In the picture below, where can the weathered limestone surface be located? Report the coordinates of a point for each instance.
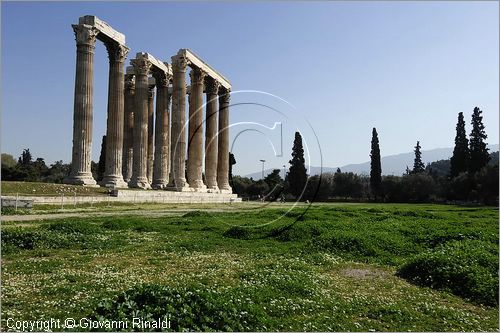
(113, 176)
(139, 173)
(128, 127)
(162, 131)
(197, 62)
(132, 196)
(151, 126)
(82, 117)
(87, 31)
(106, 31)
(212, 89)
(137, 151)
(195, 142)
(223, 143)
(178, 131)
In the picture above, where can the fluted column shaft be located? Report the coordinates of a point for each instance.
(139, 173)
(212, 88)
(81, 158)
(178, 131)
(128, 128)
(162, 132)
(151, 129)
(223, 143)
(114, 135)
(195, 142)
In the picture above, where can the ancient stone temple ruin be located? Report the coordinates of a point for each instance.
(151, 143)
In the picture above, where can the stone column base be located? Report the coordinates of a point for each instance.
(160, 186)
(214, 189)
(185, 188)
(198, 186)
(85, 179)
(226, 191)
(140, 183)
(113, 181)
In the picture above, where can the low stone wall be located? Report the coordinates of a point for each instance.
(16, 202)
(133, 197)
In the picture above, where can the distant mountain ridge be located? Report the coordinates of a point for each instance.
(391, 164)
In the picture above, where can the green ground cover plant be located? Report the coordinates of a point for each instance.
(338, 267)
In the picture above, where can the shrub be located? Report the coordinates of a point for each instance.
(58, 235)
(237, 232)
(466, 268)
(189, 308)
(196, 213)
(73, 227)
(16, 238)
(13, 211)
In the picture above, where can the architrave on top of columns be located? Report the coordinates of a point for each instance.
(106, 32)
(196, 61)
(157, 65)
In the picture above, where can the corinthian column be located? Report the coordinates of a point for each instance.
(114, 135)
(151, 125)
(178, 135)
(139, 173)
(162, 131)
(223, 141)
(82, 115)
(195, 143)
(212, 89)
(128, 128)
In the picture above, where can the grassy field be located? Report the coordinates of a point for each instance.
(49, 189)
(338, 267)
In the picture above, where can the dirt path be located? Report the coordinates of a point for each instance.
(84, 214)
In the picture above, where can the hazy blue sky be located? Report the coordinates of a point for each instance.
(406, 68)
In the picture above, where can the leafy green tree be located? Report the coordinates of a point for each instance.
(8, 167)
(8, 161)
(392, 190)
(319, 187)
(486, 181)
(460, 187)
(297, 174)
(258, 188)
(439, 168)
(275, 183)
(493, 158)
(40, 168)
(57, 172)
(461, 155)
(273, 179)
(479, 156)
(375, 166)
(418, 165)
(25, 159)
(241, 185)
(418, 187)
(25, 170)
(347, 185)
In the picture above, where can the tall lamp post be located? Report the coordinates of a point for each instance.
(263, 161)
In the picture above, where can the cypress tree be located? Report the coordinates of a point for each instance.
(479, 155)
(297, 174)
(101, 166)
(460, 159)
(418, 165)
(232, 161)
(375, 166)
